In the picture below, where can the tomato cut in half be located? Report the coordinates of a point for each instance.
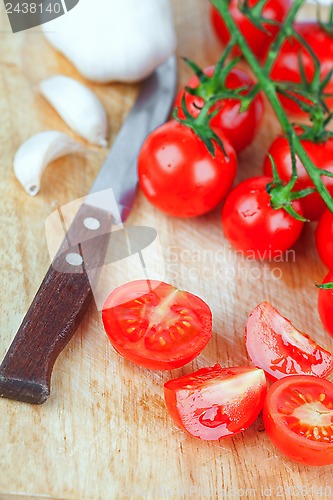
(155, 325)
(216, 402)
(277, 347)
(298, 418)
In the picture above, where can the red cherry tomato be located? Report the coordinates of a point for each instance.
(239, 128)
(324, 238)
(298, 417)
(277, 347)
(257, 39)
(179, 176)
(155, 325)
(216, 402)
(253, 227)
(286, 66)
(325, 304)
(322, 156)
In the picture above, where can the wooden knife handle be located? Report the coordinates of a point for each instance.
(57, 308)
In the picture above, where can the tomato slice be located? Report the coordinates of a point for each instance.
(216, 402)
(298, 417)
(155, 325)
(277, 347)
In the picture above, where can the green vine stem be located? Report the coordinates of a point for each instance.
(269, 88)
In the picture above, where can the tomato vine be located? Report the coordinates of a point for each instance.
(309, 95)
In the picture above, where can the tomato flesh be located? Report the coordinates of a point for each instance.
(216, 402)
(253, 227)
(325, 304)
(257, 39)
(155, 325)
(179, 176)
(239, 128)
(322, 156)
(298, 418)
(324, 238)
(277, 347)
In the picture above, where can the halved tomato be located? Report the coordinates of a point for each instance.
(277, 347)
(156, 325)
(298, 418)
(216, 402)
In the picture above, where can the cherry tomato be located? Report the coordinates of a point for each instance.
(298, 417)
(324, 238)
(322, 156)
(155, 325)
(277, 347)
(325, 305)
(286, 66)
(257, 39)
(239, 128)
(179, 176)
(216, 402)
(253, 227)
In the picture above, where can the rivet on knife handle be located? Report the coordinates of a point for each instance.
(66, 291)
(56, 310)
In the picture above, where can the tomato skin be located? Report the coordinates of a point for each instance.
(277, 347)
(324, 238)
(253, 227)
(216, 402)
(278, 416)
(322, 156)
(286, 66)
(239, 128)
(155, 325)
(257, 39)
(179, 176)
(325, 304)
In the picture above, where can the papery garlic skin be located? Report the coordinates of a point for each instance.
(78, 106)
(115, 40)
(36, 153)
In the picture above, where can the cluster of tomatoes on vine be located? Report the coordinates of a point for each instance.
(187, 168)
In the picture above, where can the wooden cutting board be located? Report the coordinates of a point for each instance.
(105, 432)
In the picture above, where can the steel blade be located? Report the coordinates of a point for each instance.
(151, 109)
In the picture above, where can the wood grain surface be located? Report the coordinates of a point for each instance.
(105, 432)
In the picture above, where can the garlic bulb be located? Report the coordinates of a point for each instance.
(36, 153)
(115, 40)
(78, 106)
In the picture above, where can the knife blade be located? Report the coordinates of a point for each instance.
(66, 291)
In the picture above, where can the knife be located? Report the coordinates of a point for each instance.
(66, 291)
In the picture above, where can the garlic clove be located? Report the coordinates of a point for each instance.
(78, 106)
(118, 40)
(36, 153)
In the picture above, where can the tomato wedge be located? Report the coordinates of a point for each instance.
(216, 402)
(277, 347)
(298, 417)
(155, 325)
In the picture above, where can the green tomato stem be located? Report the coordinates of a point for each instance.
(269, 88)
